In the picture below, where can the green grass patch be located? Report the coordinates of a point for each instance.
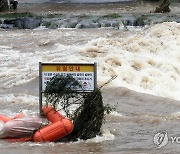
(17, 15)
(112, 15)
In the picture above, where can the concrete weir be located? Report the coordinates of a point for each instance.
(53, 21)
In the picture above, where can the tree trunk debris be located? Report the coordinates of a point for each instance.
(3, 5)
(163, 8)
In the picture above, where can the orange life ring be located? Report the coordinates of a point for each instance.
(19, 139)
(5, 119)
(54, 131)
(59, 127)
(51, 114)
(19, 115)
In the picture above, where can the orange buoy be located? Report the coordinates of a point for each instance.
(59, 127)
(7, 118)
(54, 131)
(19, 139)
(4, 118)
(19, 115)
(51, 114)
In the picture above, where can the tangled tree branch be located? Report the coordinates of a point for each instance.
(85, 109)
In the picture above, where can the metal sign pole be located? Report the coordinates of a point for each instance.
(40, 88)
(95, 75)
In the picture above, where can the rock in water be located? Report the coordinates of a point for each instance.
(23, 23)
(27, 23)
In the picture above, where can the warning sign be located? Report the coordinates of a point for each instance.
(85, 73)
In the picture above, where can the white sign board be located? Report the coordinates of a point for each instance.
(84, 73)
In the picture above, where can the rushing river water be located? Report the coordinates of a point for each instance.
(89, 7)
(145, 93)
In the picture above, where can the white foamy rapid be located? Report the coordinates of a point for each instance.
(14, 70)
(146, 61)
(19, 99)
(106, 135)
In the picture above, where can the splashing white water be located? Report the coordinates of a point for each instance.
(106, 135)
(146, 61)
(21, 98)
